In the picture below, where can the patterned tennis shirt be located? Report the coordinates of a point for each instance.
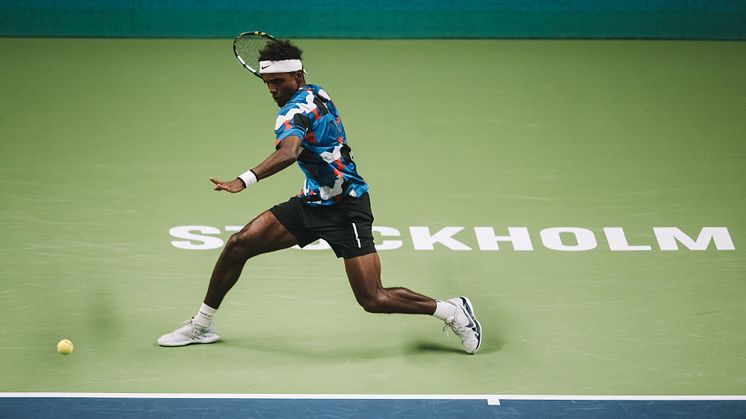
(325, 159)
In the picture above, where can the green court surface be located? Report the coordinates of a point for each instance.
(107, 145)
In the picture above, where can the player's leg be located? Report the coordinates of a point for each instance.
(263, 234)
(364, 274)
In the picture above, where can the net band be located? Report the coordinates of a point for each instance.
(282, 66)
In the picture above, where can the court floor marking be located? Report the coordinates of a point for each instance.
(491, 399)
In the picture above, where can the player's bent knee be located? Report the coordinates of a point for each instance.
(236, 247)
(377, 303)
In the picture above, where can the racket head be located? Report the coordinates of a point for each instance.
(246, 47)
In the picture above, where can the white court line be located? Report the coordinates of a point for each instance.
(624, 398)
(491, 399)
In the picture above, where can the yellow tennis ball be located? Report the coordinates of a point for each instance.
(65, 347)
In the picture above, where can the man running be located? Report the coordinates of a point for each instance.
(334, 205)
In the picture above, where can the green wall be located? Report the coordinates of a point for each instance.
(662, 19)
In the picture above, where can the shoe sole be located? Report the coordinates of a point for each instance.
(470, 312)
(205, 340)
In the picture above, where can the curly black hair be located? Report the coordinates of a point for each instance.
(277, 50)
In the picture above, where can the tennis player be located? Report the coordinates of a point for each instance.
(334, 205)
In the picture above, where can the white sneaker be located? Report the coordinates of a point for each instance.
(465, 325)
(188, 333)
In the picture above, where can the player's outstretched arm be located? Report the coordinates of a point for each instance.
(232, 186)
(285, 155)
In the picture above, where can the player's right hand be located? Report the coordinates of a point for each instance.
(232, 186)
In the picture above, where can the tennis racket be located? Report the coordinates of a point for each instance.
(246, 47)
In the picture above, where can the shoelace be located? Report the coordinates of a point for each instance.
(458, 328)
(197, 330)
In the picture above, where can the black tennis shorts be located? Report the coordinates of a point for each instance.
(347, 225)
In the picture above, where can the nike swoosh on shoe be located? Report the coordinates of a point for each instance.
(473, 323)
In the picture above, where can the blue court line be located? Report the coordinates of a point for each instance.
(128, 405)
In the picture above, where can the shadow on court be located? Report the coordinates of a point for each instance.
(393, 349)
(488, 346)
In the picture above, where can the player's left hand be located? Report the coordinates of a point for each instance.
(232, 186)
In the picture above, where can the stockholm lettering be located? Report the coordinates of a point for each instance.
(488, 239)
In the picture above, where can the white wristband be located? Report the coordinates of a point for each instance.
(248, 178)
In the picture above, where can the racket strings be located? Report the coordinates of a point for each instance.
(248, 48)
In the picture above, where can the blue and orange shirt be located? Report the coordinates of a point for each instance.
(326, 159)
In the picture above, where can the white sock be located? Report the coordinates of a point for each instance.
(204, 315)
(444, 310)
